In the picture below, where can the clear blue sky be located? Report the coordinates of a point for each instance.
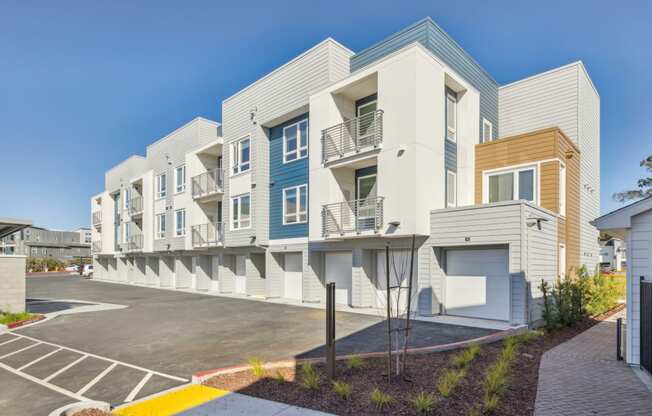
(85, 84)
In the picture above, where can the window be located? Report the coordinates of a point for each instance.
(451, 117)
(160, 226)
(295, 141)
(240, 212)
(161, 186)
(295, 205)
(126, 232)
(127, 198)
(180, 178)
(451, 189)
(487, 131)
(180, 222)
(562, 189)
(515, 184)
(240, 156)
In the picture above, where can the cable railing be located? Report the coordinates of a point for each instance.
(352, 136)
(207, 235)
(208, 183)
(352, 216)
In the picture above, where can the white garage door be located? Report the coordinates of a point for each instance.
(477, 283)
(240, 275)
(293, 276)
(339, 268)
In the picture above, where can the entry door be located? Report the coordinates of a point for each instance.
(293, 276)
(240, 275)
(399, 267)
(339, 269)
(366, 202)
(477, 283)
(366, 123)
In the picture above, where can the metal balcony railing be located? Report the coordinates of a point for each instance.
(207, 235)
(134, 243)
(352, 136)
(352, 216)
(135, 205)
(97, 217)
(208, 183)
(96, 246)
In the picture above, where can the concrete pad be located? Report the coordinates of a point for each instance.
(116, 385)
(26, 357)
(52, 364)
(236, 404)
(300, 411)
(156, 384)
(80, 374)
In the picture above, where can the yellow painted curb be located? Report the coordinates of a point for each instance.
(172, 403)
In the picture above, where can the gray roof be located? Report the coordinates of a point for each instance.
(9, 226)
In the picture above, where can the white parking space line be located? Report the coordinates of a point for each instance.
(72, 364)
(39, 359)
(138, 387)
(20, 350)
(43, 383)
(96, 379)
(10, 341)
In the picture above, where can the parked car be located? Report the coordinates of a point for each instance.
(72, 268)
(88, 270)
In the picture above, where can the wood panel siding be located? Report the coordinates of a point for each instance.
(547, 148)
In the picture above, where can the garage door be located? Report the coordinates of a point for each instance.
(339, 267)
(240, 275)
(477, 283)
(293, 276)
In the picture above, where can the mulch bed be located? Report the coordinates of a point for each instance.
(92, 412)
(18, 324)
(424, 369)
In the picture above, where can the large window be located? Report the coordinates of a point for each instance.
(161, 186)
(295, 205)
(241, 156)
(160, 226)
(562, 189)
(180, 222)
(241, 212)
(451, 189)
(511, 185)
(180, 178)
(451, 117)
(295, 141)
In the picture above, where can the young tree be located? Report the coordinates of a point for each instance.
(644, 185)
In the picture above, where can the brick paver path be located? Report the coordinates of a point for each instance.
(583, 377)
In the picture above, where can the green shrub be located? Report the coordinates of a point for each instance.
(311, 378)
(256, 367)
(8, 317)
(490, 402)
(496, 378)
(473, 411)
(342, 389)
(355, 362)
(379, 399)
(464, 358)
(424, 402)
(449, 380)
(279, 377)
(526, 337)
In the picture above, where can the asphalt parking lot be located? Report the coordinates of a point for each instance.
(162, 337)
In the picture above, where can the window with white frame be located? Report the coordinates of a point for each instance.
(451, 189)
(160, 226)
(562, 189)
(241, 212)
(241, 156)
(487, 131)
(180, 222)
(127, 198)
(180, 178)
(295, 205)
(161, 186)
(295, 141)
(451, 116)
(126, 232)
(511, 185)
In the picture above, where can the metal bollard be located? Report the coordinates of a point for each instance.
(619, 339)
(330, 330)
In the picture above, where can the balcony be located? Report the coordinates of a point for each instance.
(352, 217)
(134, 243)
(97, 219)
(353, 137)
(207, 235)
(208, 184)
(135, 207)
(96, 246)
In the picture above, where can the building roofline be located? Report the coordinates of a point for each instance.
(579, 64)
(178, 129)
(328, 40)
(555, 129)
(621, 210)
(125, 161)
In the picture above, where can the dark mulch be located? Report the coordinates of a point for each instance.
(424, 369)
(92, 412)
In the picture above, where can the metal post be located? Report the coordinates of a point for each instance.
(330, 330)
(619, 339)
(389, 317)
(409, 304)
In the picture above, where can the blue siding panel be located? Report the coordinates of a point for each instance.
(435, 39)
(284, 175)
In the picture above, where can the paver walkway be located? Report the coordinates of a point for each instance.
(583, 377)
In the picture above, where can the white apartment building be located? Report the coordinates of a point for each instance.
(325, 161)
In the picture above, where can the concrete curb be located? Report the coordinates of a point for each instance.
(73, 408)
(3, 328)
(24, 322)
(202, 376)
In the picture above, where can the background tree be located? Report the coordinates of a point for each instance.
(644, 185)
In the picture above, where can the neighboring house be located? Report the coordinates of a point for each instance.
(613, 254)
(633, 224)
(320, 164)
(41, 242)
